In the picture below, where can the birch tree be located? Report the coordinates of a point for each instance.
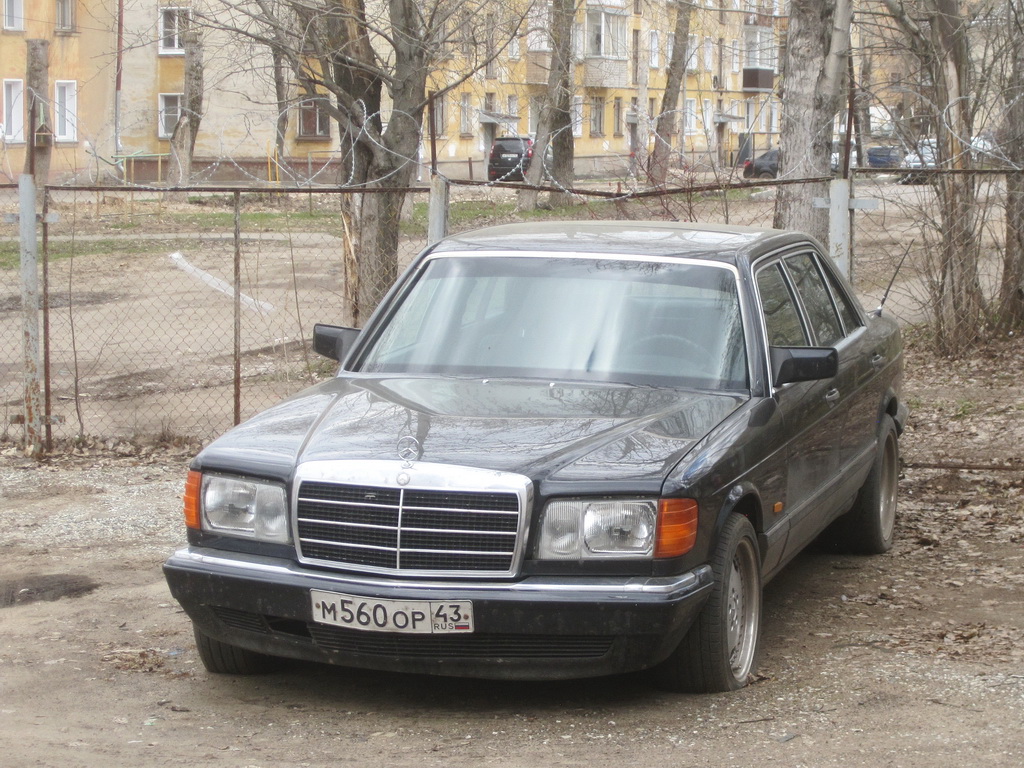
(667, 123)
(814, 69)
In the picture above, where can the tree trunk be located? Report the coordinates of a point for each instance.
(183, 140)
(37, 158)
(816, 58)
(667, 124)
(1011, 290)
(555, 124)
(957, 300)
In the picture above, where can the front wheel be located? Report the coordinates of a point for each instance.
(223, 659)
(720, 651)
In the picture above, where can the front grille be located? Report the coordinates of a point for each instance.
(339, 640)
(408, 530)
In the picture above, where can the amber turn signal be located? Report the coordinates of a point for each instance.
(677, 527)
(193, 487)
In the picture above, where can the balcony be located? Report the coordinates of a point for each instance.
(600, 72)
(758, 80)
(538, 65)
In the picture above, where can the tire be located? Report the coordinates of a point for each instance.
(766, 175)
(223, 659)
(869, 527)
(720, 651)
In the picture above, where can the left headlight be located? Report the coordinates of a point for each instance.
(577, 529)
(237, 506)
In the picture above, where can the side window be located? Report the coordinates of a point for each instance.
(817, 301)
(781, 318)
(850, 316)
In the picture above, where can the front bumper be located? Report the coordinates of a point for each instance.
(536, 628)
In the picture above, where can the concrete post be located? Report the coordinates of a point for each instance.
(437, 211)
(30, 316)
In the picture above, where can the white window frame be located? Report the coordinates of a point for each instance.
(709, 55)
(577, 116)
(14, 15)
(177, 45)
(653, 53)
(14, 112)
(690, 116)
(692, 53)
(466, 114)
(65, 15)
(607, 34)
(321, 119)
(670, 47)
(597, 109)
(162, 113)
(65, 110)
(735, 55)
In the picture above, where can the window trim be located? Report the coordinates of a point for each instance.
(14, 15)
(162, 32)
(65, 20)
(16, 112)
(312, 104)
(71, 112)
(162, 113)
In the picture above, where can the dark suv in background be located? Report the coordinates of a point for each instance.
(764, 166)
(509, 158)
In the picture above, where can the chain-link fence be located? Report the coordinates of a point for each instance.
(145, 336)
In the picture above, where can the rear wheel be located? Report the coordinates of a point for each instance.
(766, 175)
(869, 527)
(720, 651)
(223, 659)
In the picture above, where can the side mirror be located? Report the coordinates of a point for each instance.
(333, 341)
(792, 364)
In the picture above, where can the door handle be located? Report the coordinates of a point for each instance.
(832, 396)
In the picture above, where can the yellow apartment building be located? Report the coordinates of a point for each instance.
(117, 71)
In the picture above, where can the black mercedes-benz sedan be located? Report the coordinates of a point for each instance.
(555, 450)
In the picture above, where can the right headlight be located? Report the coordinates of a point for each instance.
(577, 529)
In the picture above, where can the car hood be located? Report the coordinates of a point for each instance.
(557, 432)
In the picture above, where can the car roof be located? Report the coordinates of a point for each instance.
(727, 243)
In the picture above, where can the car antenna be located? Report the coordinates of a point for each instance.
(888, 288)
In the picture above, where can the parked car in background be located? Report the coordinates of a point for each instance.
(765, 166)
(509, 158)
(922, 157)
(556, 449)
(884, 157)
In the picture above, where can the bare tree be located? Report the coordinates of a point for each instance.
(1011, 294)
(936, 32)
(814, 70)
(190, 113)
(356, 60)
(554, 128)
(667, 122)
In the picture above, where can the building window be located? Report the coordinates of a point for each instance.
(465, 114)
(538, 22)
(14, 111)
(513, 48)
(670, 47)
(173, 22)
(690, 116)
(735, 44)
(170, 111)
(691, 52)
(654, 53)
(512, 106)
(634, 58)
(439, 127)
(617, 116)
(65, 21)
(707, 115)
(597, 116)
(606, 34)
(577, 116)
(65, 110)
(709, 55)
(314, 120)
(14, 14)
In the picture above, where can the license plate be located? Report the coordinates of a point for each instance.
(509, 157)
(423, 617)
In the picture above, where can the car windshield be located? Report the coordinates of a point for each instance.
(567, 318)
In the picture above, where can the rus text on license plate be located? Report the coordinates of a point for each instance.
(409, 616)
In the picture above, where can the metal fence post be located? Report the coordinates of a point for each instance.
(437, 208)
(237, 415)
(33, 416)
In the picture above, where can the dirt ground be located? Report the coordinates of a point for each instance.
(915, 658)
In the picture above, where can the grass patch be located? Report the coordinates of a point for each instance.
(10, 250)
